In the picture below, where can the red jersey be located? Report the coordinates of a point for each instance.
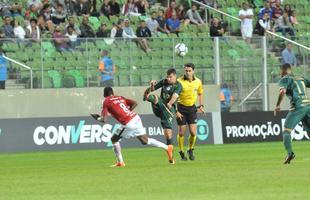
(118, 107)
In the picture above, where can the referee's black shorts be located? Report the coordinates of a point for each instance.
(189, 114)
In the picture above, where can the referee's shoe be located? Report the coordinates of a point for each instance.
(191, 154)
(183, 157)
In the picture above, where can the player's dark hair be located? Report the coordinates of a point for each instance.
(286, 66)
(191, 65)
(171, 71)
(108, 91)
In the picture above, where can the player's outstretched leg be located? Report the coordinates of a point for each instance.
(287, 141)
(117, 151)
(151, 98)
(151, 141)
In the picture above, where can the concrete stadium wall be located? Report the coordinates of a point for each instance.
(78, 101)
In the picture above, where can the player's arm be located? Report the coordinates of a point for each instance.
(102, 68)
(200, 99)
(175, 95)
(280, 99)
(173, 99)
(104, 113)
(156, 85)
(131, 103)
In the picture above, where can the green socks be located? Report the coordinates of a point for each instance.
(287, 140)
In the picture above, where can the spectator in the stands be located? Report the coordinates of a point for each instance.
(73, 37)
(143, 33)
(181, 13)
(288, 55)
(264, 24)
(193, 16)
(173, 24)
(226, 98)
(277, 11)
(283, 25)
(128, 32)
(130, 9)
(86, 29)
(46, 27)
(60, 40)
(33, 31)
(117, 29)
(93, 9)
(102, 31)
(32, 11)
(115, 8)
(142, 6)
(162, 22)
(106, 69)
(288, 9)
(37, 3)
(246, 16)
(171, 9)
(153, 24)
(293, 19)
(46, 12)
(71, 7)
(7, 28)
(59, 15)
(71, 22)
(16, 10)
(82, 7)
(19, 32)
(264, 10)
(105, 9)
(113, 30)
(216, 29)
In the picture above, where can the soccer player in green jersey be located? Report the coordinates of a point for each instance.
(164, 106)
(295, 89)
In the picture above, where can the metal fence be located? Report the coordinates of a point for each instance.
(227, 59)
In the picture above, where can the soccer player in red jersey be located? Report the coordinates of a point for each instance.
(122, 110)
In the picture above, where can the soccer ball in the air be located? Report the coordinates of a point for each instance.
(180, 49)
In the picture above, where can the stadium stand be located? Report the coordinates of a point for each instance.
(78, 68)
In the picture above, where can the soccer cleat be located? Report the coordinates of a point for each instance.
(118, 164)
(183, 157)
(288, 158)
(172, 161)
(170, 154)
(191, 154)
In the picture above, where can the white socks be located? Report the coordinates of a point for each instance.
(117, 151)
(156, 143)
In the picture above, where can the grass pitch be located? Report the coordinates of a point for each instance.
(239, 171)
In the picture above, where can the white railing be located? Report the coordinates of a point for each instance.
(235, 18)
(25, 66)
(250, 94)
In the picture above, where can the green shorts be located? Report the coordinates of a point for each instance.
(165, 117)
(295, 116)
